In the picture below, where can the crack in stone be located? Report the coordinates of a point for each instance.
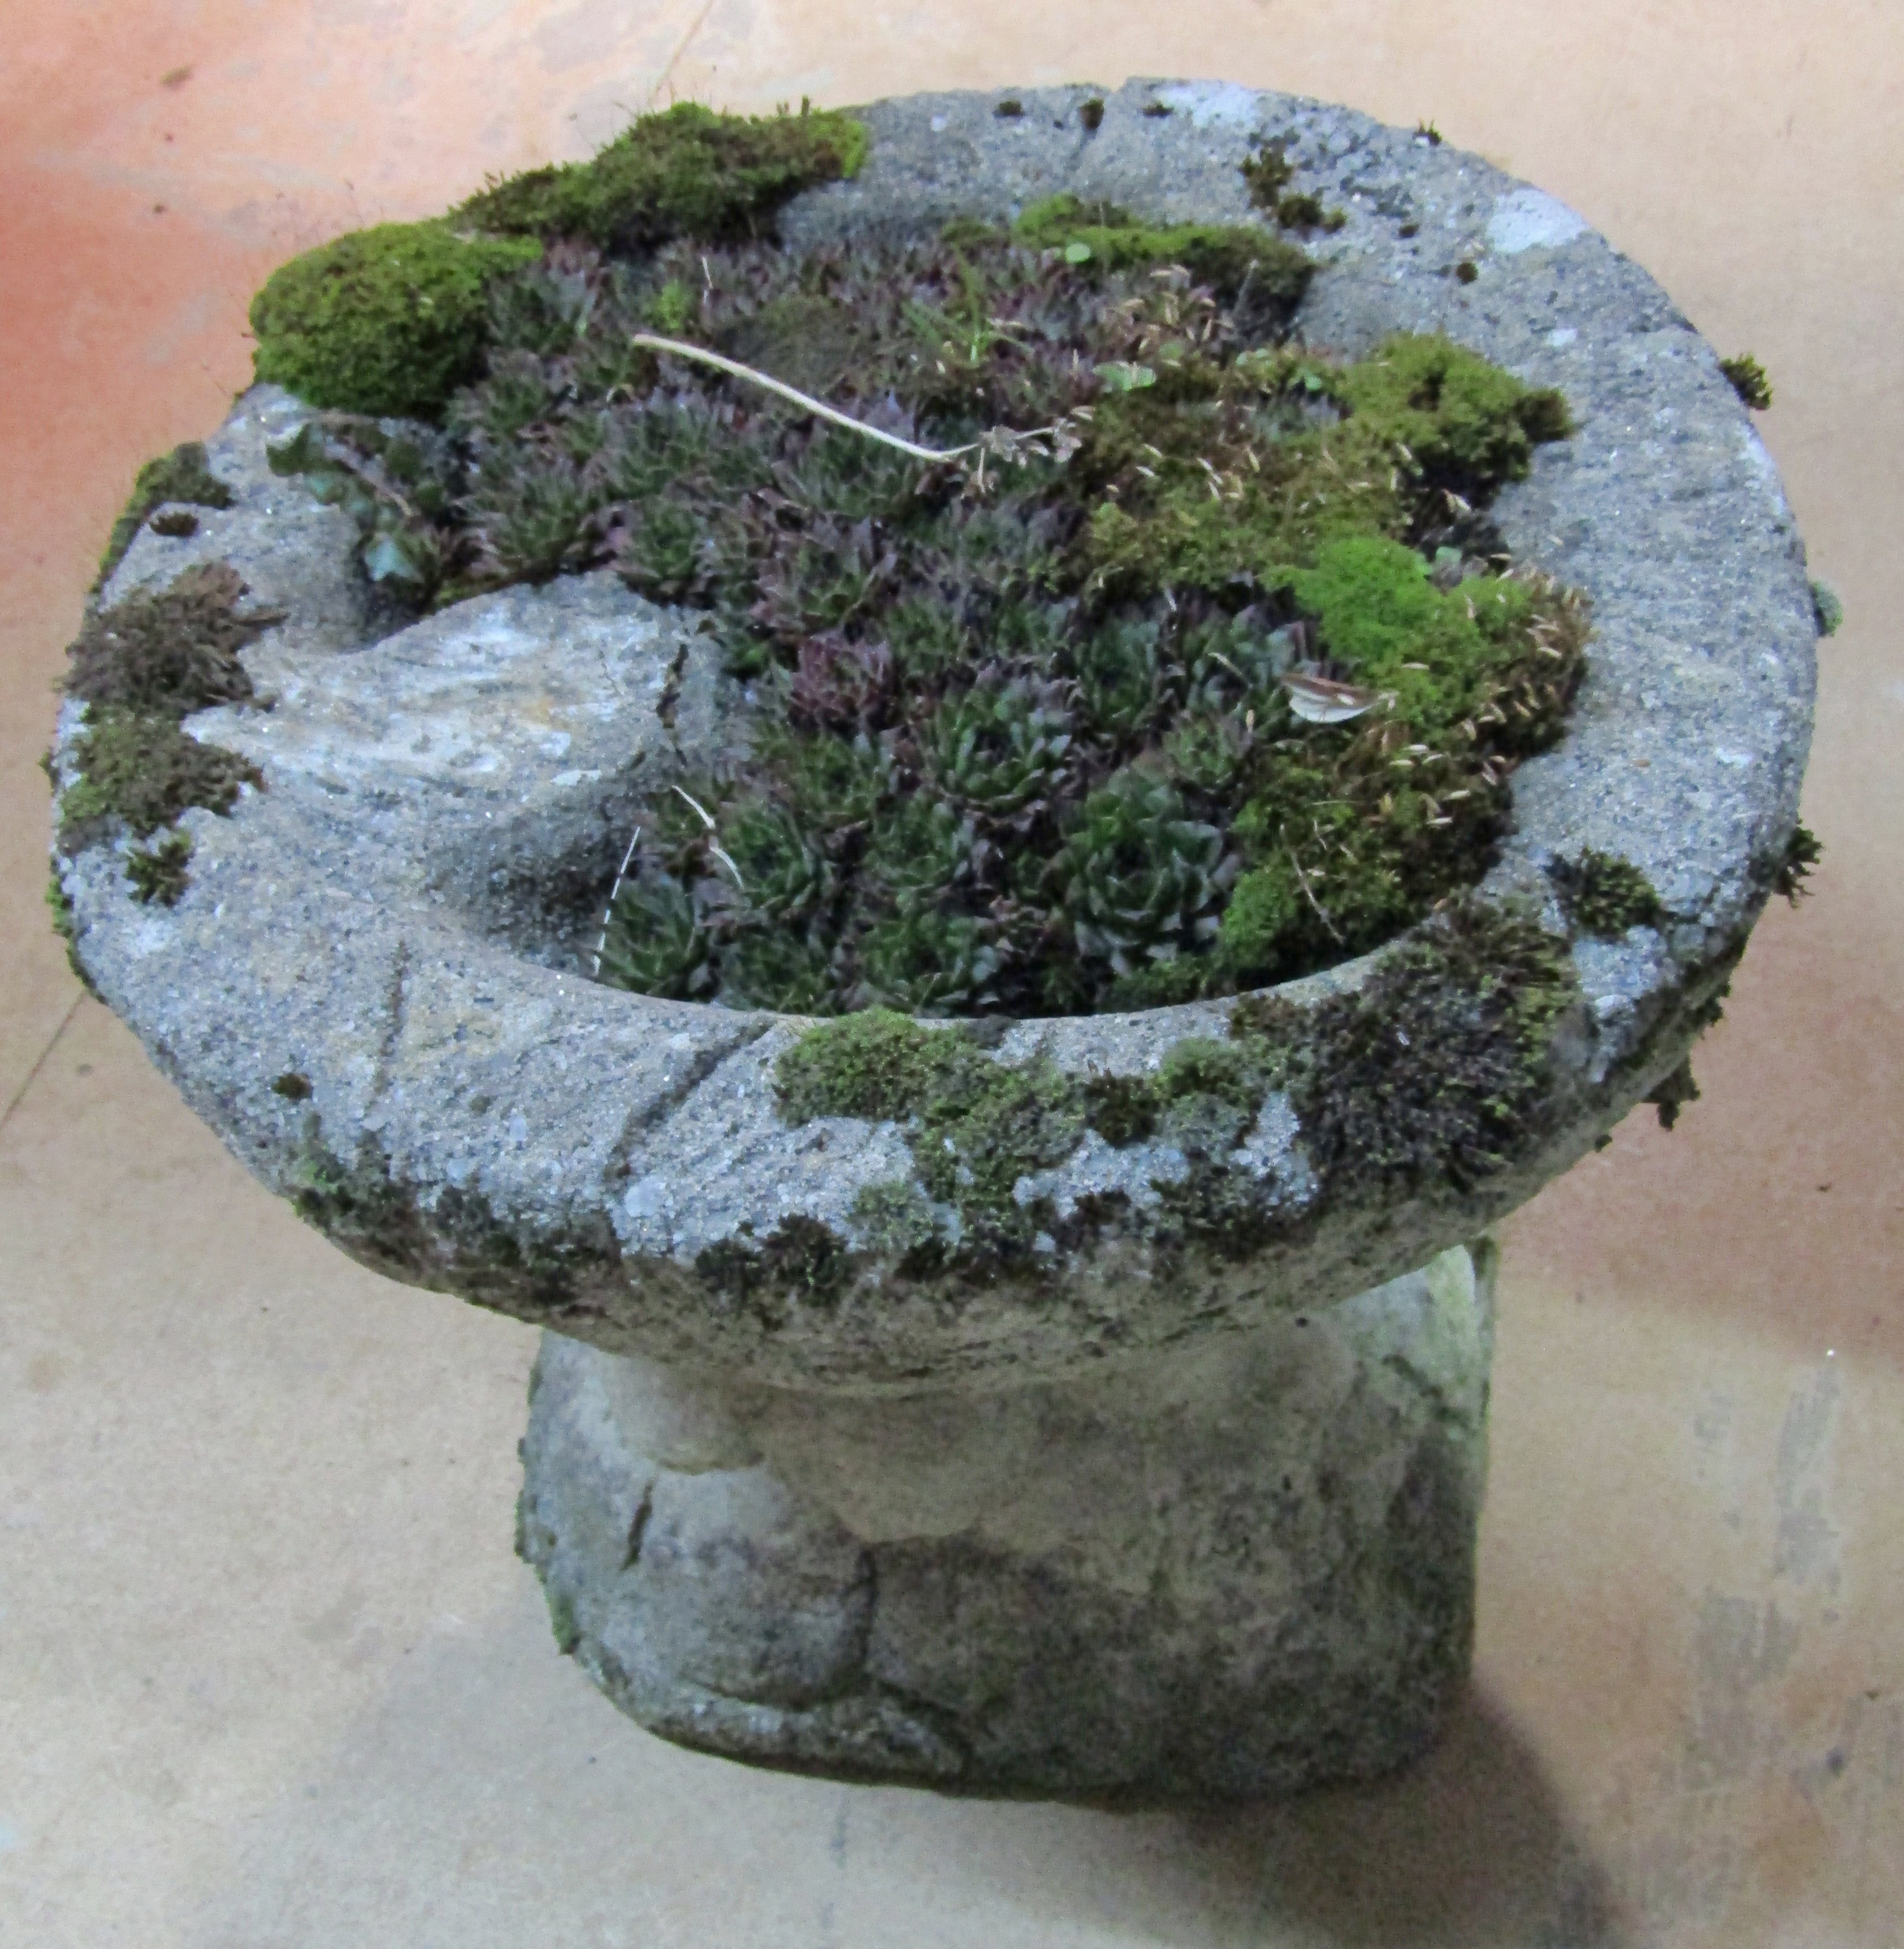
(638, 1529)
(397, 1006)
(652, 1114)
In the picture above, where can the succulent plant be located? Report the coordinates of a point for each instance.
(920, 850)
(1023, 738)
(999, 747)
(654, 942)
(780, 867)
(928, 964)
(779, 967)
(1121, 675)
(1141, 880)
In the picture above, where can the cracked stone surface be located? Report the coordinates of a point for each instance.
(1244, 1568)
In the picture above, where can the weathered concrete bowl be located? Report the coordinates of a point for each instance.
(1166, 1512)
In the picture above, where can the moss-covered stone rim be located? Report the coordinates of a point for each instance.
(1706, 926)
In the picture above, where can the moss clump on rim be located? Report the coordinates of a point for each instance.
(388, 320)
(171, 650)
(1749, 379)
(1802, 851)
(1269, 173)
(1435, 1070)
(1672, 1093)
(1604, 895)
(65, 925)
(183, 474)
(686, 172)
(1223, 257)
(158, 871)
(141, 667)
(141, 772)
(801, 1261)
(977, 1127)
(1433, 1073)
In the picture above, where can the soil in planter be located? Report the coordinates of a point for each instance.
(1213, 674)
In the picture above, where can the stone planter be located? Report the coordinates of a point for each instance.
(1188, 1505)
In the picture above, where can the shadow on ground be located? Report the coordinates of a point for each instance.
(492, 1791)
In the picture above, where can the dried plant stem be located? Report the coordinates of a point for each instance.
(713, 844)
(700, 355)
(607, 913)
(1303, 881)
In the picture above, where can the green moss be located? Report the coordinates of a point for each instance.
(1422, 412)
(975, 1127)
(292, 1086)
(1339, 857)
(1201, 1066)
(896, 1219)
(878, 1065)
(157, 872)
(1803, 850)
(183, 474)
(562, 1619)
(1826, 611)
(1465, 421)
(1268, 172)
(1434, 1072)
(1223, 256)
(141, 668)
(390, 320)
(801, 1260)
(142, 771)
(686, 172)
(1671, 1094)
(1438, 652)
(172, 651)
(1749, 381)
(1122, 1110)
(1604, 895)
(370, 1210)
(60, 909)
(1437, 1068)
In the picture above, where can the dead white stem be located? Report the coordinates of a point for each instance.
(714, 845)
(700, 355)
(1303, 880)
(607, 913)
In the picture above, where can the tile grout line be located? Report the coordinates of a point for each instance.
(32, 1074)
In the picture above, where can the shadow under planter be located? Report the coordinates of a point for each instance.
(1180, 1500)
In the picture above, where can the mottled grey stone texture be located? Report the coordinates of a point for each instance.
(1149, 1512)
(1238, 1568)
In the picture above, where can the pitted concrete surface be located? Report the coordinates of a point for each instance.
(1238, 1570)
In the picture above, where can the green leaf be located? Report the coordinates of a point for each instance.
(1122, 376)
(387, 560)
(297, 455)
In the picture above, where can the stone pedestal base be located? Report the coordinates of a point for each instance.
(1236, 1570)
